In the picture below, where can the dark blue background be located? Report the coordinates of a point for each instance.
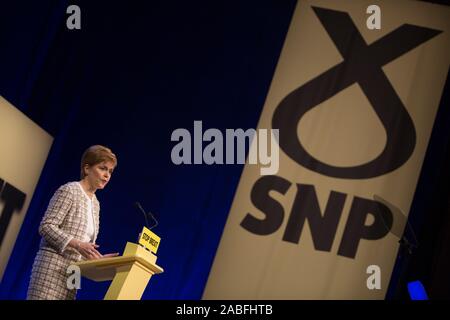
(136, 71)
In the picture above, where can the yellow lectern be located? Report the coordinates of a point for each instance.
(130, 273)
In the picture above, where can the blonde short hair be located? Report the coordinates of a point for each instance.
(94, 155)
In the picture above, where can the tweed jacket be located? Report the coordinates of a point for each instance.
(64, 220)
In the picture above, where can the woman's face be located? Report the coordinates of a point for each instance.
(98, 175)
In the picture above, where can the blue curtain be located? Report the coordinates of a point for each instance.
(135, 72)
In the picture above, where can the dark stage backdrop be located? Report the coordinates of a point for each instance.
(136, 71)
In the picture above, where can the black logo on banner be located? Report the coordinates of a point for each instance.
(362, 64)
(323, 226)
(14, 200)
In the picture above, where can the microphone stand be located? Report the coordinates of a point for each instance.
(405, 250)
(139, 207)
(404, 258)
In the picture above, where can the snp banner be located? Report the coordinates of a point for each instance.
(354, 96)
(24, 147)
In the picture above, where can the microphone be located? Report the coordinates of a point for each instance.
(138, 206)
(400, 228)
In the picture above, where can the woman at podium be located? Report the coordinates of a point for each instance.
(70, 227)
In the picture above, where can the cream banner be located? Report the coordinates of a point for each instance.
(24, 147)
(354, 96)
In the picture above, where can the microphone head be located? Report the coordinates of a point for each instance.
(138, 206)
(146, 214)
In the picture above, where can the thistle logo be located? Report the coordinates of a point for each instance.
(362, 64)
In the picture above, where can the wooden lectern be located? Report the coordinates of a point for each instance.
(130, 273)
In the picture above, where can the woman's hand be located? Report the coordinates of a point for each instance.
(89, 250)
(86, 249)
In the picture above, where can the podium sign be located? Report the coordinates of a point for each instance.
(149, 240)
